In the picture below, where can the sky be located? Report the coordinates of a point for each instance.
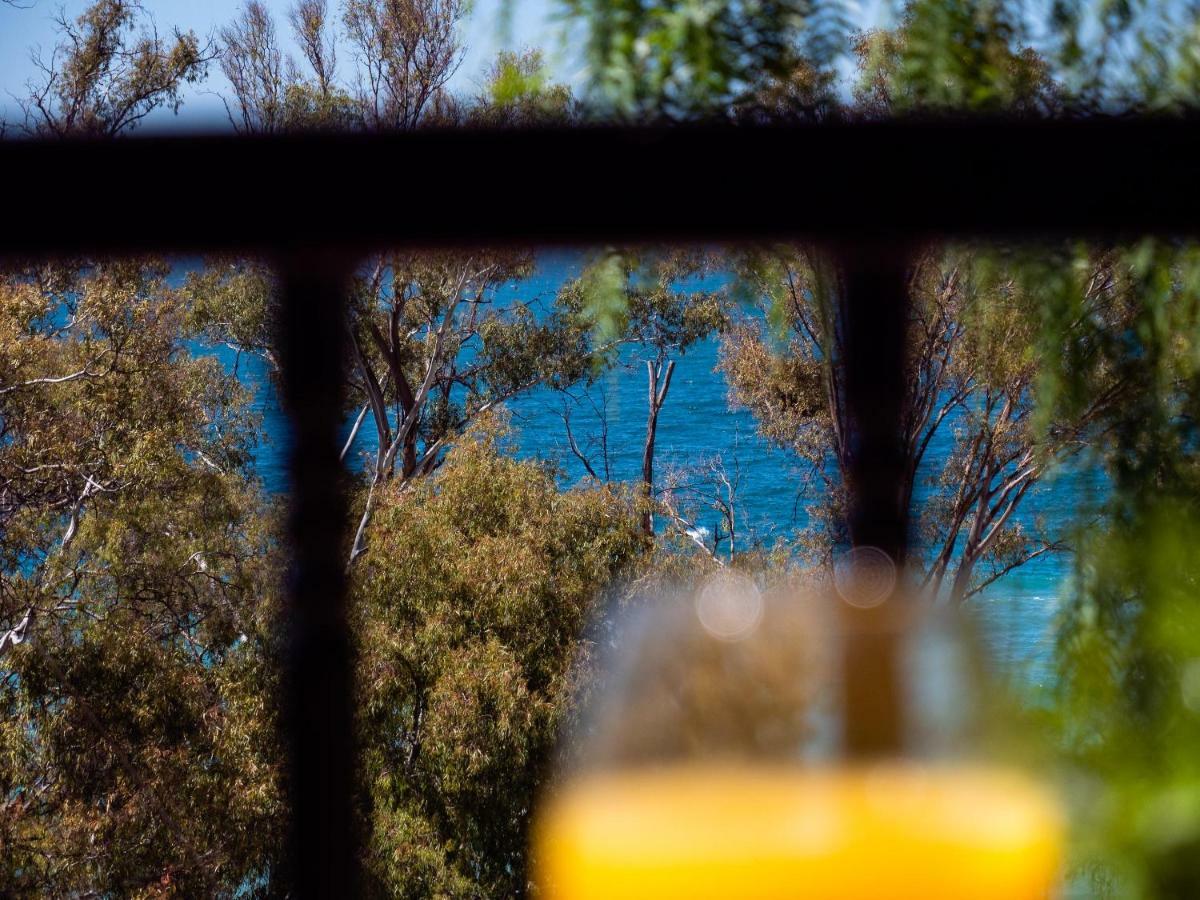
(31, 24)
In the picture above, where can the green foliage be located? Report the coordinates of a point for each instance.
(1128, 690)
(1131, 702)
(231, 302)
(645, 298)
(519, 92)
(783, 60)
(601, 295)
(680, 58)
(975, 351)
(665, 313)
(109, 71)
(519, 351)
(468, 607)
(516, 78)
(961, 56)
(136, 576)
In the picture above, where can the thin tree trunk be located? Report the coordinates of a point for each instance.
(657, 396)
(408, 463)
(362, 414)
(358, 548)
(962, 579)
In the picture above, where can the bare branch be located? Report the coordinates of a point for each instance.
(362, 414)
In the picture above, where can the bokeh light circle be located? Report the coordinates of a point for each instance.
(729, 606)
(864, 576)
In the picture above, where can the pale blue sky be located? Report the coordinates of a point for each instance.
(532, 25)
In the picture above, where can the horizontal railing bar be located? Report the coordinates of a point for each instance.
(915, 180)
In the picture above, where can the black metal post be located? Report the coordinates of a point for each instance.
(874, 319)
(318, 667)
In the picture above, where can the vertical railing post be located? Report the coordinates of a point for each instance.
(322, 851)
(874, 318)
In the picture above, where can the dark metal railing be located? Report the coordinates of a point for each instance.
(872, 193)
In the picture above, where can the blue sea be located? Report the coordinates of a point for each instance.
(1016, 616)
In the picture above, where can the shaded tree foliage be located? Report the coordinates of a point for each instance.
(973, 364)
(1129, 687)
(137, 748)
(135, 572)
(682, 58)
(468, 606)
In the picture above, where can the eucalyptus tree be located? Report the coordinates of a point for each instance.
(972, 381)
(432, 341)
(109, 70)
(136, 572)
(972, 361)
(406, 52)
(434, 346)
(135, 587)
(470, 603)
(401, 55)
(253, 62)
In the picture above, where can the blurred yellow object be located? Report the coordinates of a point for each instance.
(886, 832)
